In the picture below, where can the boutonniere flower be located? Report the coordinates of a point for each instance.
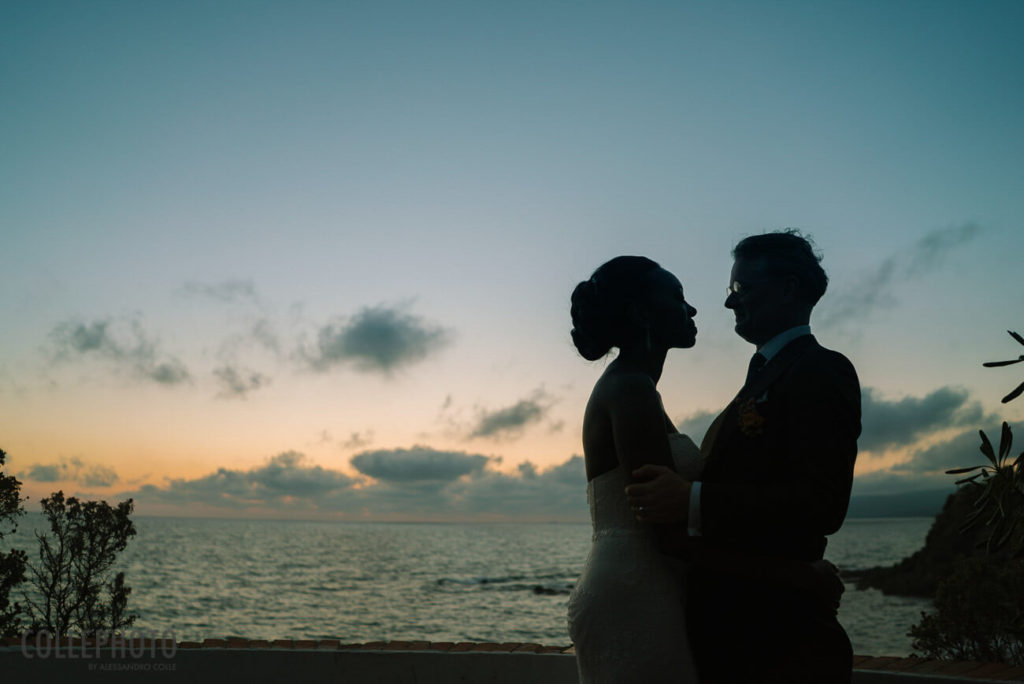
(750, 420)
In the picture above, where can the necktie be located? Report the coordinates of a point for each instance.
(757, 362)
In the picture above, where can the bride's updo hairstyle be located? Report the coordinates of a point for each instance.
(603, 308)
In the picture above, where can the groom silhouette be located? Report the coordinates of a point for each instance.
(778, 470)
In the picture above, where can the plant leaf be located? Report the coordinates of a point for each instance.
(972, 519)
(1016, 336)
(1005, 442)
(966, 526)
(983, 497)
(1006, 535)
(959, 471)
(986, 448)
(1014, 394)
(974, 515)
(972, 478)
(997, 364)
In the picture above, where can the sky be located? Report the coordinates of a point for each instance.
(313, 259)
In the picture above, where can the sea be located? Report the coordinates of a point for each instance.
(360, 582)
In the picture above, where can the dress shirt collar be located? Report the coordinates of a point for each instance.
(775, 345)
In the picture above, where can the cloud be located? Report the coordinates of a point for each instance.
(460, 484)
(98, 476)
(377, 339)
(926, 467)
(121, 342)
(258, 334)
(888, 424)
(899, 482)
(512, 420)
(358, 439)
(284, 482)
(8, 384)
(958, 452)
(417, 464)
(559, 491)
(417, 483)
(696, 425)
(45, 473)
(232, 290)
(875, 290)
(73, 469)
(929, 251)
(237, 383)
(262, 334)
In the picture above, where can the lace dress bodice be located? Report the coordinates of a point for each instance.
(610, 512)
(626, 613)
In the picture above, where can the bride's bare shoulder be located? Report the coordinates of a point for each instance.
(618, 386)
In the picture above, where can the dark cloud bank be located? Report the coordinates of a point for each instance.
(898, 423)
(422, 483)
(415, 483)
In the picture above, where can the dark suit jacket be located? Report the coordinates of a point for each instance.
(776, 480)
(780, 457)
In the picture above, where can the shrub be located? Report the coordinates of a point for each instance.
(73, 582)
(979, 606)
(979, 614)
(12, 563)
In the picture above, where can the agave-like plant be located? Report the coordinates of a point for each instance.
(1000, 505)
(993, 364)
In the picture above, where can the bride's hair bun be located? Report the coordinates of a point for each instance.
(600, 307)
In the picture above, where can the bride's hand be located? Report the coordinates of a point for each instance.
(659, 496)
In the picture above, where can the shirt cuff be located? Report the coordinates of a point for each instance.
(693, 521)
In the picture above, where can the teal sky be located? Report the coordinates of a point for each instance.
(202, 204)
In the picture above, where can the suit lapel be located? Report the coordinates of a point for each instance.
(775, 368)
(725, 429)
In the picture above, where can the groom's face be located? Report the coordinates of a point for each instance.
(758, 300)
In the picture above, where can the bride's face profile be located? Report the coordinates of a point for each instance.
(635, 305)
(669, 314)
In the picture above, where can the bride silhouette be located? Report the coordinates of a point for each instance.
(626, 615)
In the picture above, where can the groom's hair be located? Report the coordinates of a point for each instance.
(787, 253)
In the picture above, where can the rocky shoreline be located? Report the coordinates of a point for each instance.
(919, 574)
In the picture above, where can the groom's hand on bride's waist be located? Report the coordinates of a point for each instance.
(659, 495)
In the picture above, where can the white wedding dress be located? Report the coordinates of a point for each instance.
(626, 614)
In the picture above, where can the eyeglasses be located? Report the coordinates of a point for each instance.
(743, 289)
(737, 288)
